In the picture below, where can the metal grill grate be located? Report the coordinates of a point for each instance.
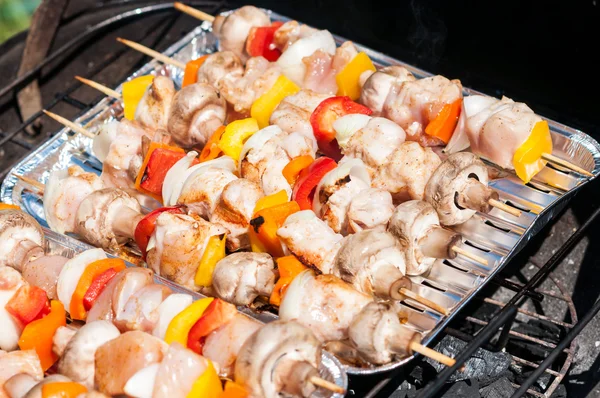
(507, 313)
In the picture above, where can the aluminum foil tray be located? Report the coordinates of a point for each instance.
(57, 244)
(496, 236)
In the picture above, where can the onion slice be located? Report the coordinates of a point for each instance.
(171, 306)
(72, 271)
(223, 162)
(141, 384)
(289, 309)
(103, 140)
(174, 179)
(291, 61)
(50, 189)
(353, 167)
(258, 140)
(347, 125)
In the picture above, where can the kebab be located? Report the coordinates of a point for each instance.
(527, 143)
(335, 311)
(134, 285)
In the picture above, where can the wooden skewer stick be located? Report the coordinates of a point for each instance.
(193, 12)
(428, 352)
(103, 89)
(469, 255)
(555, 159)
(426, 302)
(151, 53)
(67, 123)
(504, 207)
(317, 381)
(38, 185)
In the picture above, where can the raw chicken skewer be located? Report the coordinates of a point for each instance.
(336, 311)
(253, 344)
(122, 228)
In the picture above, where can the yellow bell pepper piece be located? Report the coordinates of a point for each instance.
(348, 79)
(133, 91)
(180, 325)
(265, 104)
(278, 198)
(214, 252)
(236, 133)
(208, 385)
(527, 159)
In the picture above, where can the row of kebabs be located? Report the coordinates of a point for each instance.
(94, 327)
(143, 340)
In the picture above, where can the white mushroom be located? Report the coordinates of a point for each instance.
(379, 336)
(458, 188)
(107, 218)
(374, 263)
(279, 358)
(77, 361)
(241, 277)
(197, 111)
(416, 224)
(21, 239)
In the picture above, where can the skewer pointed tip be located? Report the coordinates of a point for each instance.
(426, 302)
(326, 384)
(69, 124)
(564, 163)
(469, 255)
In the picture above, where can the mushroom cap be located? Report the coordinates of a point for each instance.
(409, 223)
(258, 357)
(98, 211)
(15, 227)
(240, 277)
(361, 254)
(377, 333)
(449, 180)
(197, 111)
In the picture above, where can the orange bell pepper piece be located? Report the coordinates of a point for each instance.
(190, 75)
(7, 206)
(233, 390)
(138, 181)
(289, 267)
(266, 223)
(211, 150)
(292, 170)
(275, 199)
(38, 334)
(65, 389)
(94, 269)
(443, 125)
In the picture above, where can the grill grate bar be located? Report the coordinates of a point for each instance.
(534, 365)
(529, 313)
(517, 334)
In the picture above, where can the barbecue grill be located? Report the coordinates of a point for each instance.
(507, 316)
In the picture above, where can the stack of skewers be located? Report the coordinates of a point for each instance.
(291, 171)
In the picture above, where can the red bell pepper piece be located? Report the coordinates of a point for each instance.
(145, 227)
(260, 42)
(161, 160)
(98, 284)
(28, 304)
(304, 190)
(216, 315)
(321, 120)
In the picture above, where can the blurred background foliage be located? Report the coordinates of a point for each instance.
(15, 16)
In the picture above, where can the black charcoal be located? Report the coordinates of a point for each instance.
(501, 388)
(463, 389)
